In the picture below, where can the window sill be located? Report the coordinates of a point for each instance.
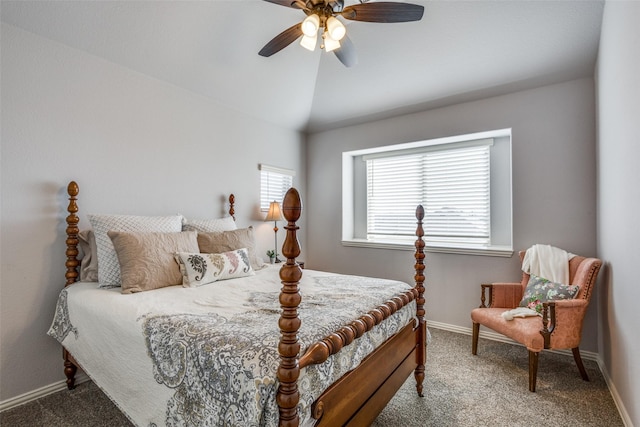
(497, 251)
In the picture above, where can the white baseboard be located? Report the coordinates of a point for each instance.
(587, 355)
(626, 418)
(41, 392)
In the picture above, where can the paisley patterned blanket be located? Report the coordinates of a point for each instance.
(207, 356)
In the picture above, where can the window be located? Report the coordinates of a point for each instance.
(274, 183)
(463, 183)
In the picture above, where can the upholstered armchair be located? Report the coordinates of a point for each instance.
(560, 326)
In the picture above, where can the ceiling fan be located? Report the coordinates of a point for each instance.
(322, 14)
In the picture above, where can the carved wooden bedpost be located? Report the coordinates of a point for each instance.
(421, 339)
(72, 235)
(72, 264)
(289, 348)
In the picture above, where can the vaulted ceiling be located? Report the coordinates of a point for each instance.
(459, 51)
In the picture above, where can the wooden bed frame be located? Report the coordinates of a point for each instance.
(360, 395)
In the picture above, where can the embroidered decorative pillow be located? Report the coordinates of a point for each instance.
(108, 266)
(200, 269)
(146, 259)
(540, 290)
(210, 225)
(216, 243)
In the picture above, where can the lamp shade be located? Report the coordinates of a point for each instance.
(310, 25)
(275, 213)
(336, 29)
(309, 42)
(330, 44)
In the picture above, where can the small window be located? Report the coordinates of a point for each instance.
(274, 183)
(463, 183)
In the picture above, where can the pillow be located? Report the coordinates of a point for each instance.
(200, 269)
(146, 259)
(89, 261)
(539, 290)
(209, 225)
(215, 243)
(108, 266)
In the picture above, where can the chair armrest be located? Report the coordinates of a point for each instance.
(501, 295)
(562, 322)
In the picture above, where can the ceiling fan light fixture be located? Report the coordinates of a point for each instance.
(330, 43)
(310, 25)
(336, 29)
(309, 42)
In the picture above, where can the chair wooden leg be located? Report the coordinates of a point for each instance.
(533, 370)
(474, 340)
(578, 359)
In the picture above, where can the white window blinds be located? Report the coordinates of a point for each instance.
(274, 183)
(452, 182)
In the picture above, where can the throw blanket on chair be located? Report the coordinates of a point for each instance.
(549, 262)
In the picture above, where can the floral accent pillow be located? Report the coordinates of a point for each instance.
(200, 269)
(540, 290)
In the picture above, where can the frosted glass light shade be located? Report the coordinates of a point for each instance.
(310, 25)
(336, 29)
(309, 42)
(330, 44)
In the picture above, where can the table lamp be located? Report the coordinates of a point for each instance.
(275, 215)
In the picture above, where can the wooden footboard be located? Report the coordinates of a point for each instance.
(359, 396)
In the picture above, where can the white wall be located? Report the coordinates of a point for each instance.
(618, 148)
(135, 145)
(553, 192)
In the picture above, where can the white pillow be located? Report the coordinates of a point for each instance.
(200, 269)
(209, 225)
(108, 266)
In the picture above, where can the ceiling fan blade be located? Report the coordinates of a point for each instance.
(296, 4)
(384, 12)
(281, 41)
(346, 53)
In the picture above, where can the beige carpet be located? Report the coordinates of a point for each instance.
(490, 389)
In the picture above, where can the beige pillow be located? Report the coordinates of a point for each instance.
(108, 265)
(217, 243)
(147, 259)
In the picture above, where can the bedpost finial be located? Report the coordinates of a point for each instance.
(232, 203)
(72, 189)
(419, 213)
(292, 205)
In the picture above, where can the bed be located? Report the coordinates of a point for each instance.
(273, 346)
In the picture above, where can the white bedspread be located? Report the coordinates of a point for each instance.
(208, 356)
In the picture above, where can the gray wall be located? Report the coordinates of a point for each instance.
(554, 194)
(618, 148)
(135, 145)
